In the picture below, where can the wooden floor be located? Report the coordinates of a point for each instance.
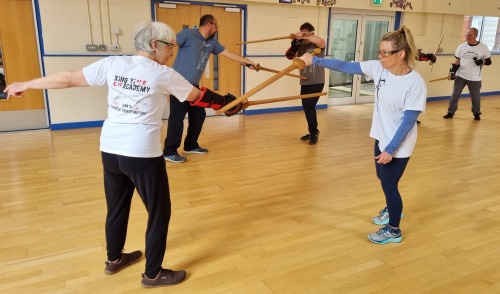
(264, 212)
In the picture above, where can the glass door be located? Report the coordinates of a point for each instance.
(374, 28)
(345, 40)
(354, 38)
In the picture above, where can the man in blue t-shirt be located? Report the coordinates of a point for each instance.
(195, 47)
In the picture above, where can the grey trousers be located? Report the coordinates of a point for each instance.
(475, 95)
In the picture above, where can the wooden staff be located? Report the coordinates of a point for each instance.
(439, 44)
(272, 100)
(258, 67)
(437, 49)
(291, 36)
(316, 51)
(297, 63)
(441, 79)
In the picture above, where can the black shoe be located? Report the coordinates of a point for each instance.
(314, 139)
(165, 277)
(305, 137)
(126, 260)
(448, 115)
(477, 117)
(418, 122)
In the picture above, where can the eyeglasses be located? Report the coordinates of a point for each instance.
(386, 53)
(216, 26)
(468, 35)
(170, 45)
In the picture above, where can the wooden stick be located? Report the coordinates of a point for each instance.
(439, 44)
(297, 63)
(291, 36)
(258, 67)
(272, 100)
(440, 79)
(316, 51)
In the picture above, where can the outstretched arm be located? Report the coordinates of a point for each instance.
(233, 56)
(334, 64)
(60, 80)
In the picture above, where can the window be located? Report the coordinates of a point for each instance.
(488, 29)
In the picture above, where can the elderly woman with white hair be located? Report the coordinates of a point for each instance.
(130, 144)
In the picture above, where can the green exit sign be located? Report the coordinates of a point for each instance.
(377, 2)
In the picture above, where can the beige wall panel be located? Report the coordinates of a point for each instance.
(357, 4)
(489, 7)
(76, 104)
(270, 21)
(428, 28)
(66, 27)
(486, 8)
(457, 6)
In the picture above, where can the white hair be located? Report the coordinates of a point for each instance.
(146, 32)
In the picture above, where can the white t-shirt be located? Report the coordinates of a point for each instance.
(393, 95)
(466, 53)
(137, 94)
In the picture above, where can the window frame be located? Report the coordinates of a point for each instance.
(481, 24)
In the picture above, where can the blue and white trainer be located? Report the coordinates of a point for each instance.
(386, 235)
(382, 218)
(176, 158)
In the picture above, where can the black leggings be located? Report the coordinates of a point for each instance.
(389, 175)
(122, 175)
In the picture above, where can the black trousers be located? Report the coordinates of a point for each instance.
(175, 127)
(475, 95)
(309, 105)
(122, 175)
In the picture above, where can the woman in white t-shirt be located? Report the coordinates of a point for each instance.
(400, 96)
(130, 143)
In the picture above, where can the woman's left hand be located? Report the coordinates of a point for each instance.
(383, 158)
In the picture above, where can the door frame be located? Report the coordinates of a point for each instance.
(20, 25)
(362, 18)
(208, 76)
